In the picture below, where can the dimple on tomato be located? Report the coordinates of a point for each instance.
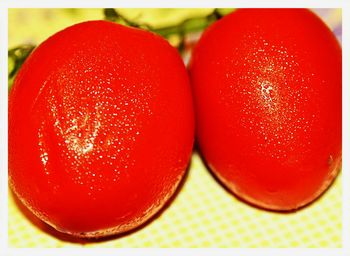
(101, 128)
(268, 101)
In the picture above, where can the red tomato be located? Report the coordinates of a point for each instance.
(101, 128)
(267, 87)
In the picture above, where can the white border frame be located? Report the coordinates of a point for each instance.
(177, 252)
(173, 3)
(3, 128)
(346, 128)
(5, 4)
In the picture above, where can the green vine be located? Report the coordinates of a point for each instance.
(16, 57)
(190, 25)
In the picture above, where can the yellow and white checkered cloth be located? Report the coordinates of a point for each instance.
(204, 214)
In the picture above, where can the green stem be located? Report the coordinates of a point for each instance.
(16, 57)
(187, 26)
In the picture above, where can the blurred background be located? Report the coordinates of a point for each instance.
(32, 26)
(204, 214)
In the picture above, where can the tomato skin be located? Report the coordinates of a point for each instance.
(268, 101)
(101, 128)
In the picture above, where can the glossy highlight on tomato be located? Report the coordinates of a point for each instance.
(268, 101)
(101, 128)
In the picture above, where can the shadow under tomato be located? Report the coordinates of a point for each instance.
(242, 200)
(44, 227)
